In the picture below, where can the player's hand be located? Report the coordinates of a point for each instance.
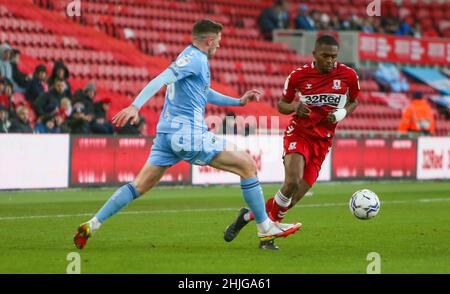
(252, 95)
(121, 118)
(331, 118)
(302, 110)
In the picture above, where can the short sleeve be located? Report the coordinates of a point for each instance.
(186, 66)
(354, 87)
(289, 89)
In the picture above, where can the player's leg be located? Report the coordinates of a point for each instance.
(304, 188)
(242, 164)
(161, 158)
(147, 178)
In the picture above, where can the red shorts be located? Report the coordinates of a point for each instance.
(313, 150)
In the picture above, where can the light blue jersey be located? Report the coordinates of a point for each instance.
(186, 98)
(181, 132)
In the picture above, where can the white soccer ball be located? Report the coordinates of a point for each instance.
(364, 204)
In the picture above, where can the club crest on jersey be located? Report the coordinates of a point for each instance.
(308, 86)
(336, 84)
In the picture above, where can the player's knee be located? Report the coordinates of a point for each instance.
(248, 169)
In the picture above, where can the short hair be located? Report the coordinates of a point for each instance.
(326, 40)
(58, 80)
(204, 27)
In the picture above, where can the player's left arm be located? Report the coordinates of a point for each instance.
(217, 98)
(339, 114)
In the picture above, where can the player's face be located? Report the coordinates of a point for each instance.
(213, 44)
(325, 57)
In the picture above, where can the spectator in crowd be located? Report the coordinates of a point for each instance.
(303, 21)
(86, 98)
(335, 23)
(21, 123)
(418, 117)
(390, 78)
(78, 122)
(404, 28)
(38, 84)
(5, 93)
(61, 72)
(229, 126)
(134, 129)
(47, 125)
(100, 124)
(274, 17)
(416, 31)
(4, 120)
(21, 79)
(5, 64)
(367, 25)
(49, 102)
(65, 109)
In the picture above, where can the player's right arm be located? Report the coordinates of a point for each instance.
(132, 111)
(180, 69)
(286, 104)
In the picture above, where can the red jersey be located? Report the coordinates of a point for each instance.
(322, 93)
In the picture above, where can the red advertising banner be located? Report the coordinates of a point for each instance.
(390, 48)
(373, 158)
(109, 160)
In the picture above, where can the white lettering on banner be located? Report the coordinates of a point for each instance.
(383, 47)
(436, 50)
(416, 50)
(433, 160)
(448, 52)
(401, 47)
(368, 44)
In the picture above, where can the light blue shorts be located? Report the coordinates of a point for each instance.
(168, 149)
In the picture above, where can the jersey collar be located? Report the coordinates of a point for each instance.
(196, 48)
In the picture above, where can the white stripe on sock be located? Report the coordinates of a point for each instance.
(282, 200)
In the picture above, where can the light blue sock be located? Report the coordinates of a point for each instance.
(118, 200)
(254, 197)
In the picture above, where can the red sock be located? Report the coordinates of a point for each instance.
(277, 212)
(269, 204)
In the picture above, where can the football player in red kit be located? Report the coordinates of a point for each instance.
(327, 92)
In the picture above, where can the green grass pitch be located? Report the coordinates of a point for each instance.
(180, 230)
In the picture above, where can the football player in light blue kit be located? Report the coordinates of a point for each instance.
(182, 135)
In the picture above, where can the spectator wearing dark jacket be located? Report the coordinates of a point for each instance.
(274, 17)
(47, 126)
(86, 98)
(38, 84)
(139, 129)
(60, 71)
(4, 121)
(50, 101)
(20, 79)
(77, 122)
(21, 124)
(5, 64)
(100, 124)
(303, 21)
(5, 93)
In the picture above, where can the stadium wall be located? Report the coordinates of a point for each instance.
(62, 161)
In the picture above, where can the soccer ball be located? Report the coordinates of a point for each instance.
(364, 204)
